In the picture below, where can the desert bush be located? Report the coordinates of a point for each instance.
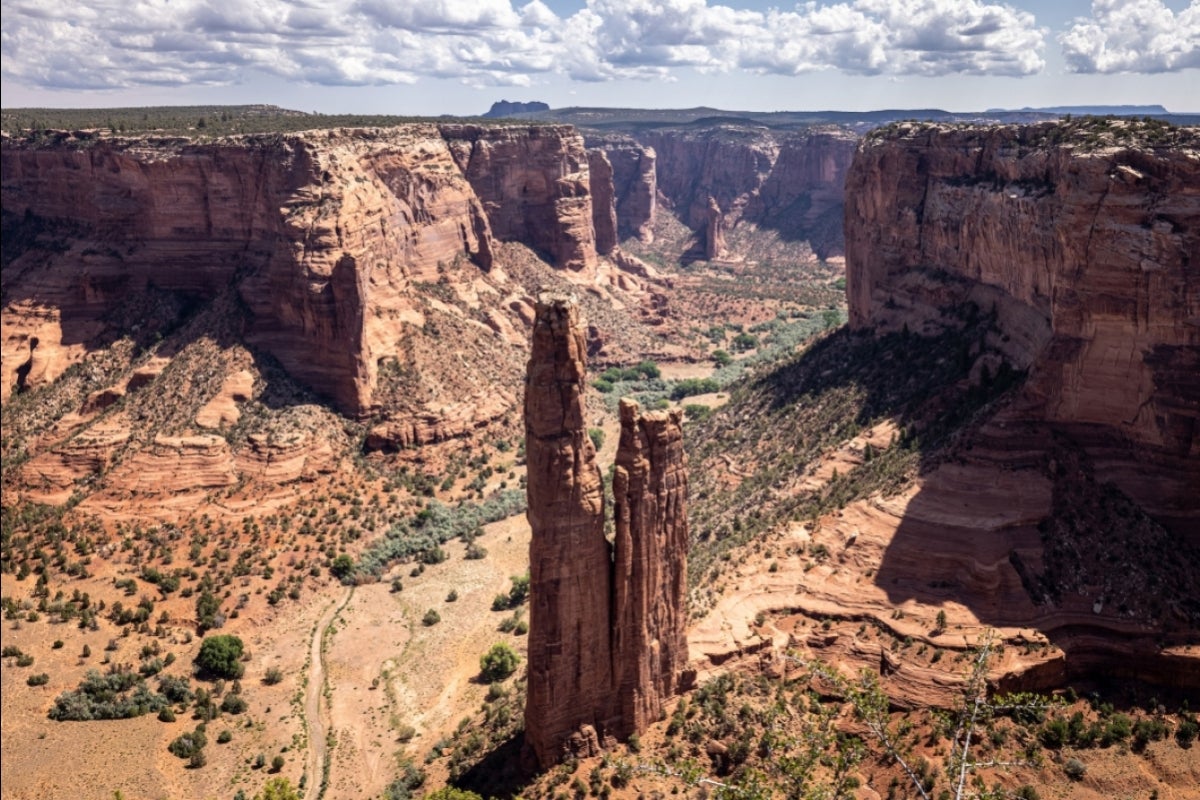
(431, 618)
(120, 694)
(233, 704)
(220, 657)
(40, 679)
(693, 386)
(499, 662)
(272, 676)
(188, 744)
(597, 437)
(1075, 769)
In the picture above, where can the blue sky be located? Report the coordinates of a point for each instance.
(458, 56)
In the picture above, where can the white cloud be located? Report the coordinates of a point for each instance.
(1133, 36)
(124, 43)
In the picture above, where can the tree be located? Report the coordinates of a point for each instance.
(278, 789)
(342, 567)
(220, 656)
(207, 611)
(452, 793)
(498, 663)
(941, 622)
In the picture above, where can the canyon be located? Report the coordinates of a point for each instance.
(231, 362)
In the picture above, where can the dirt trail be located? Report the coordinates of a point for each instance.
(316, 761)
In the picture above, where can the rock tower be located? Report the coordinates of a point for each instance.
(607, 622)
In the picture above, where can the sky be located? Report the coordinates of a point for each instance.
(430, 57)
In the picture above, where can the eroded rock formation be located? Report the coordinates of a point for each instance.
(1087, 256)
(570, 562)
(650, 506)
(607, 623)
(604, 206)
(714, 231)
(323, 234)
(791, 182)
(635, 183)
(533, 183)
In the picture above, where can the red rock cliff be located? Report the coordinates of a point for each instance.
(791, 182)
(650, 619)
(635, 183)
(322, 234)
(533, 182)
(1088, 254)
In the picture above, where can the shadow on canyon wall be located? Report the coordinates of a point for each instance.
(1012, 519)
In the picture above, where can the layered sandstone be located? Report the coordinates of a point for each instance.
(789, 181)
(326, 236)
(570, 674)
(607, 625)
(714, 231)
(1086, 255)
(534, 185)
(634, 181)
(604, 204)
(650, 615)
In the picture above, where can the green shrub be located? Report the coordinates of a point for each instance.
(1186, 733)
(220, 656)
(597, 437)
(722, 358)
(342, 568)
(272, 676)
(1075, 769)
(188, 744)
(120, 694)
(499, 662)
(233, 704)
(693, 386)
(41, 679)
(431, 618)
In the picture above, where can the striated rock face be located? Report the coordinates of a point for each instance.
(635, 183)
(604, 206)
(1087, 257)
(607, 625)
(714, 231)
(570, 563)
(323, 235)
(533, 182)
(790, 182)
(650, 619)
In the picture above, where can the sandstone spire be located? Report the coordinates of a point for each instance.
(607, 624)
(650, 581)
(570, 659)
(714, 231)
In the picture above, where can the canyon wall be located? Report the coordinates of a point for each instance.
(791, 182)
(635, 183)
(321, 234)
(1084, 247)
(533, 183)
(607, 624)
